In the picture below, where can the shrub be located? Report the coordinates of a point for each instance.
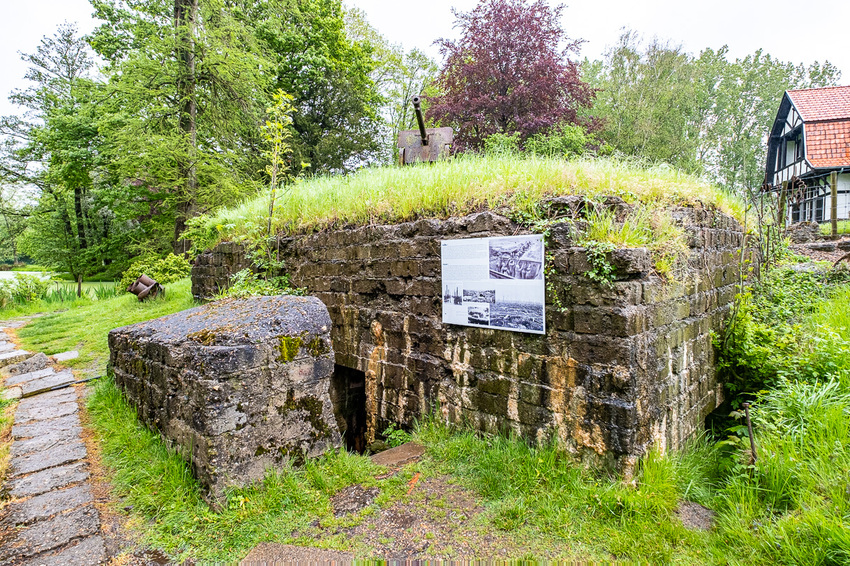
(164, 270)
(502, 144)
(566, 140)
(246, 283)
(775, 336)
(5, 292)
(23, 289)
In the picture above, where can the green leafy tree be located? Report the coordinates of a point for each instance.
(647, 99)
(329, 75)
(56, 149)
(14, 212)
(184, 82)
(706, 114)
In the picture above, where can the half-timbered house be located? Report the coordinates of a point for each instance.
(809, 151)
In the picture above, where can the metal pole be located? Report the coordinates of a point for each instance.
(420, 120)
(833, 212)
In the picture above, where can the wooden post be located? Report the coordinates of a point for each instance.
(833, 209)
(782, 214)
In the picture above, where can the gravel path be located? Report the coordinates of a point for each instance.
(51, 518)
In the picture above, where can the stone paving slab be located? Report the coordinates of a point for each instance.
(65, 356)
(45, 384)
(36, 428)
(46, 410)
(88, 552)
(12, 393)
(65, 453)
(48, 504)
(46, 480)
(7, 347)
(32, 363)
(24, 377)
(58, 396)
(53, 533)
(13, 357)
(45, 441)
(400, 455)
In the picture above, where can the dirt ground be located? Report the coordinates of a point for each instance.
(436, 519)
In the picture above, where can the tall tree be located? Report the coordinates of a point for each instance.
(510, 72)
(54, 148)
(706, 114)
(329, 74)
(647, 97)
(185, 76)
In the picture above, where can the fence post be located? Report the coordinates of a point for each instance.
(782, 214)
(833, 212)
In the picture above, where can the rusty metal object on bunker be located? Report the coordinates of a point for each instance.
(424, 144)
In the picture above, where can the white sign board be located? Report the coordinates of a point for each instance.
(495, 283)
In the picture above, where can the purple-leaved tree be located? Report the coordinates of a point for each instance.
(509, 72)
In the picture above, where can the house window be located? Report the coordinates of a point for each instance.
(798, 147)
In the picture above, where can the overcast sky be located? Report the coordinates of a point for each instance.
(802, 32)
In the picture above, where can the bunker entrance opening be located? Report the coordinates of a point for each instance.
(348, 394)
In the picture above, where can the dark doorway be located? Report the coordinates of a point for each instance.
(348, 394)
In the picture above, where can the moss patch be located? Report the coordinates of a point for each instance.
(317, 347)
(204, 337)
(314, 409)
(289, 347)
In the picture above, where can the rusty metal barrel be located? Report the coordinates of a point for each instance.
(419, 119)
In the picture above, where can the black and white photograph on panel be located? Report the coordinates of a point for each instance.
(478, 314)
(452, 293)
(479, 295)
(516, 257)
(519, 307)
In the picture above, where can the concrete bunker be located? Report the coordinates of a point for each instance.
(620, 367)
(236, 386)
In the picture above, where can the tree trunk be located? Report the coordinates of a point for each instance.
(185, 17)
(80, 219)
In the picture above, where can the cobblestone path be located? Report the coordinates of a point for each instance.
(51, 519)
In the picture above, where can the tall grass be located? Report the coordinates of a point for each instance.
(792, 506)
(461, 185)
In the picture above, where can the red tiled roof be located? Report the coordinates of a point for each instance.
(817, 104)
(828, 143)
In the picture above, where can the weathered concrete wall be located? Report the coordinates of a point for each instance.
(622, 367)
(238, 385)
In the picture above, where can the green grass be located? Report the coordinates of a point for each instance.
(462, 185)
(167, 503)
(85, 324)
(843, 227)
(539, 491)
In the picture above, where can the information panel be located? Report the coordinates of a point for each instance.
(495, 283)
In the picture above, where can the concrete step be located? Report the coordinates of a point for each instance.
(65, 356)
(25, 377)
(46, 383)
(13, 357)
